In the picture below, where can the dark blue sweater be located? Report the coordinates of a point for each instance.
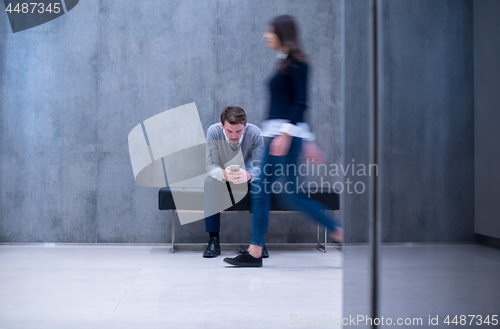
(289, 93)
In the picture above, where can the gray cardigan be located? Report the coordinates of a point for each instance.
(220, 151)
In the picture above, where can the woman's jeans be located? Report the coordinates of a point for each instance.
(289, 198)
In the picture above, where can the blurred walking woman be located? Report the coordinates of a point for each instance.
(284, 131)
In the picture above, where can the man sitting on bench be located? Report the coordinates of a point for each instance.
(225, 140)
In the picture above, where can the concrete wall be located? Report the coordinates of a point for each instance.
(356, 102)
(428, 125)
(50, 156)
(73, 88)
(487, 116)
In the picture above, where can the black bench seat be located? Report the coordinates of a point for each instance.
(328, 197)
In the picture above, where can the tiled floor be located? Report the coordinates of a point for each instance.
(90, 286)
(418, 281)
(124, 286)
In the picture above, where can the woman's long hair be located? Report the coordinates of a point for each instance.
(286, 29)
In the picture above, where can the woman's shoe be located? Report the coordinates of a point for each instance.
(244, 260)
(265, 253)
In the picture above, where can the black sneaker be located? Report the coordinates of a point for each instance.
(213, 248)
(265, 253)
(244, 260)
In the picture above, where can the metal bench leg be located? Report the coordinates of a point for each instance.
(174, 216)
(320, 246)
(317, 236)
(326, 238)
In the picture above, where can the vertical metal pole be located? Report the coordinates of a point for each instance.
(174, 216)
(375, 144)
(317, 235)
(326, 238)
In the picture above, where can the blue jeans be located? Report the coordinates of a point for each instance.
(211, 200)
(288, 198)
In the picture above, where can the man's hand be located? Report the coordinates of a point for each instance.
(227, 174)
(236, 177)
(249, 176)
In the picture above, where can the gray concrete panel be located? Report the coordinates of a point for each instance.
(49, 117)
(119, 64)
(355, 125)
(487, 116)
(153, 56)
(428, 121)
(428, 160)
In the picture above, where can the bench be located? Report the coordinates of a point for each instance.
(328, 197)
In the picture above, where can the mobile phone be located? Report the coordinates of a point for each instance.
(235, 167)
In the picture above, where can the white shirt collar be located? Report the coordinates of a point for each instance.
(239, 142)
(281, 55)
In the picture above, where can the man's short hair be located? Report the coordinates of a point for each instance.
(234, 115)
